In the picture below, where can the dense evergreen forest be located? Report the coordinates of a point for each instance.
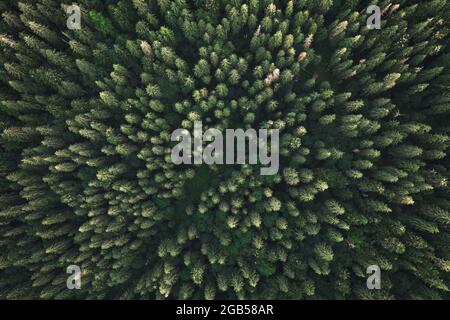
(86, 178)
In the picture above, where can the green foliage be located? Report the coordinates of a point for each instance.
(86, 178)
(102, 23)
(266, 269)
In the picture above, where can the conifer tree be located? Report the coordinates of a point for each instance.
(86, 176)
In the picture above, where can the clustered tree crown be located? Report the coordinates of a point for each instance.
(85, 171)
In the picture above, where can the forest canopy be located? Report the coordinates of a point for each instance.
(86, 177)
